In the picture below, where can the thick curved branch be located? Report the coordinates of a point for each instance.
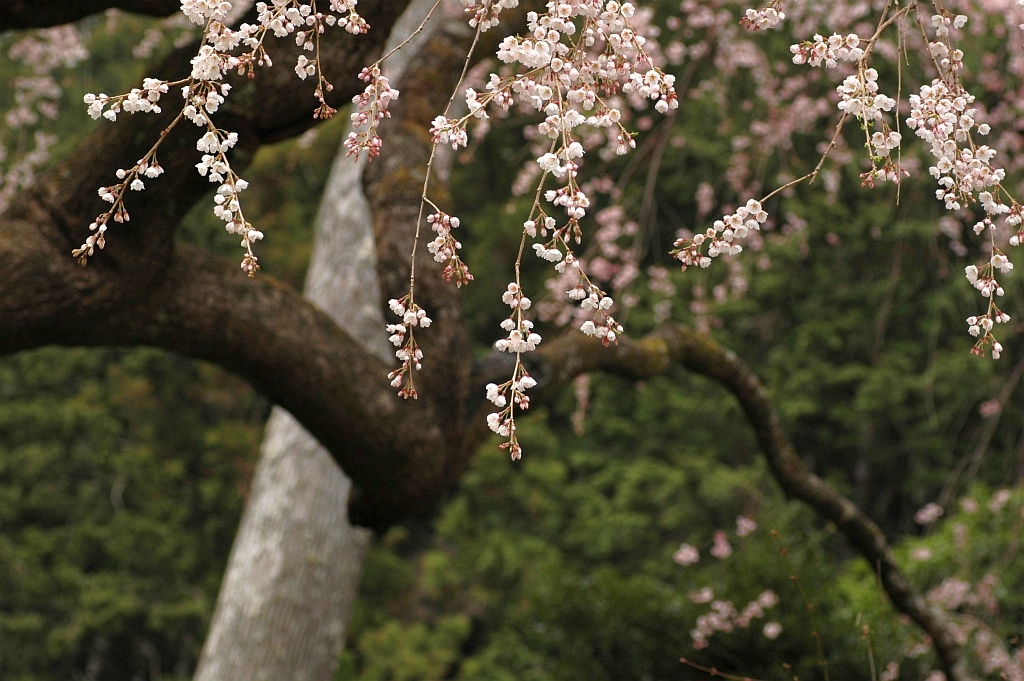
(144, 290)
(22, 14)
(573, 354)
(295, 355)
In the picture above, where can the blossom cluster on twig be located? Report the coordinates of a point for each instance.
(941, 113)
(404, 338)
(36, 97)
(223, 50)
(569, 65)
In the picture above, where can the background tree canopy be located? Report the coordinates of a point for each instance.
(123, 472)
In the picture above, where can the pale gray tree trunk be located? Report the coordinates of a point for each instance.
(294, 568)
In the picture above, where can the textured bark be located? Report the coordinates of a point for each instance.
(293, 568)
(654, 354)
(21, 14)
(298, 357)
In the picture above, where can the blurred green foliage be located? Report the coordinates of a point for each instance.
(122, 475)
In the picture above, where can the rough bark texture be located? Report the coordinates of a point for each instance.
(294, 569)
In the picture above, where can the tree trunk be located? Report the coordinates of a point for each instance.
(293, 571)
(294, 568)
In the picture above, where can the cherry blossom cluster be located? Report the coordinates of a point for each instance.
(859, 97)
(403, 338)
(564, 78)
(942, 116)
(594, 304)
(214, 165)
(371, 108)
(611, 261)
(445, 248)
(971, 599)
(512, 394)
(953, 593)
(687, 555)
(721, 237)
(723, 616)
(830, 52)
(574, 58)
(484, 13)
(521, 337)
(144, 100)
(448, 131)
(279, 17)
(503, 421)
(603, 326)
(985, 282)
(147, 167)
(203, 96)
(949, 59)
(308, 25)
(36, 97)
(202, 99)
(764, 18)
(44, 52)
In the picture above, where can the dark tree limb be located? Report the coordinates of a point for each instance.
(574, 353)
(297, 356)
(22, 14)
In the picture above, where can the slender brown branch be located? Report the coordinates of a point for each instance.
(573, 354)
